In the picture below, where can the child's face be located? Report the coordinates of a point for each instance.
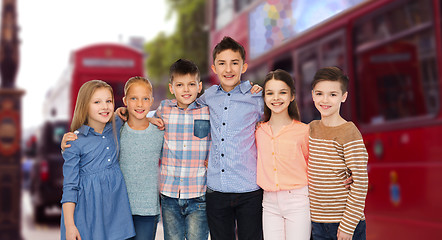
(185, 88)
(277, 96)
(229, 66)
(138, 101)
(101, 108)
(327, 96)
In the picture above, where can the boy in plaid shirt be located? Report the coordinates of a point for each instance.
(185, 150)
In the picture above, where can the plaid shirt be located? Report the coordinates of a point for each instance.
(185, 149)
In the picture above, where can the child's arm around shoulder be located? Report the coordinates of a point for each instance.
(207, 94)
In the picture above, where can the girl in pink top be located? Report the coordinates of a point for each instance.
(282, 142)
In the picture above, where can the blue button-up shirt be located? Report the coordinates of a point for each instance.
(90, 153)
(232, 157)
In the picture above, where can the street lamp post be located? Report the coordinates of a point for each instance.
(10, 126)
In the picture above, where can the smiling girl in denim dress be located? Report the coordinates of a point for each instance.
(95, 201)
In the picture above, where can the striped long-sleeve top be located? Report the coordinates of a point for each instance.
(334, 152)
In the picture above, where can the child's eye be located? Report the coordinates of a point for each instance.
(192, 84)
(269, 93)
(318, 94)
(283, 92)
(146, 99)
(334, 94)
(109, 101)
(96, 102)
(179, 85)
(132, 98)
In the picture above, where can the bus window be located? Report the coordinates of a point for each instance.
(224, 12)
(333, 52)
(256, 75)
(308, 64)
(242, 4)
(328, 51)
(285, 64)
(396, 72)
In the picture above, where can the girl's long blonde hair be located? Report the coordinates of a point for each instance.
(83, 99)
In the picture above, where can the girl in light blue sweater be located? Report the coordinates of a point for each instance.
(140, 151)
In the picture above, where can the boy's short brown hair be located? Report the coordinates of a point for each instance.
(183, 67)
(331, 74)
(229, 43)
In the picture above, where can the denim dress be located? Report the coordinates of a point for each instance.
(94, 182)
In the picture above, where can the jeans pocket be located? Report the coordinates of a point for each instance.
(201, 128)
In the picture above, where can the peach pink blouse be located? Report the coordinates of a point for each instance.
(282, 158)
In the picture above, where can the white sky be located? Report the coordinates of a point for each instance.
(51, 29)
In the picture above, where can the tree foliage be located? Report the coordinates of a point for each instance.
(189, 41)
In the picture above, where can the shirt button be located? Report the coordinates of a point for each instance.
(222, 170)
(224, 123)
(107, 147)
(222, 154)
(108, 160)
(222, 139)
(228, 94)
(103, 137)
(225, 108)
(273, 153)
(274, 169)
(184, 145)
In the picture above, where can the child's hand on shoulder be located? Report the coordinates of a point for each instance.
(255, 88)
(157, 122)
(258, 124)
(122, 113)
(67, 137)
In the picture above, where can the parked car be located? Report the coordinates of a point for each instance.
(47, 172)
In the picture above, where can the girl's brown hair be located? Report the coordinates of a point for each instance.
(83, 99)
(284, 76)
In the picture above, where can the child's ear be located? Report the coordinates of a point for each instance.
(213, 68)
(124, 101)
(200, 87)
(171, 89)
(344, 97)
(244, 67)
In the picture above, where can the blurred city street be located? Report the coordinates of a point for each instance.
(50, 229)
(45, 231)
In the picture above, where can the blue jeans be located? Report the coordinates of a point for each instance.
(184, 218)
(226, 211)
(145, 227)
(326, 231)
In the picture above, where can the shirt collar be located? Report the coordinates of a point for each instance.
(243, 87)
(83, 130)
(174, 103)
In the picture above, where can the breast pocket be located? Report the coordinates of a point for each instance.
(201, 128)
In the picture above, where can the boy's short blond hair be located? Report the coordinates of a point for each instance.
(137, 79)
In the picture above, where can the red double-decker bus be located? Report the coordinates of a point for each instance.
(392, 51)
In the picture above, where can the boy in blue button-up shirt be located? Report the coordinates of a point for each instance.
(233, 198)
